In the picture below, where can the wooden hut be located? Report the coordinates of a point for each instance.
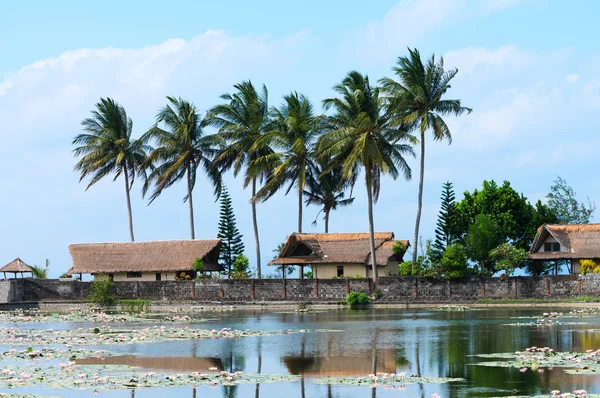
(569, 243)
(342, 254)
(144, 261)
(17, 266)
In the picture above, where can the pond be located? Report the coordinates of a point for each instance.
(313, 354)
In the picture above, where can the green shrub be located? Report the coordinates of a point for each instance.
(357, 298)
(198, 266)
(241, 267)
(65, 276)
(378, 294)
(101, 291)
(135, 306)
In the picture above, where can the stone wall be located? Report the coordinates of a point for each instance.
(393, 289)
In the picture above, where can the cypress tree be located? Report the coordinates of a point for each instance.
(228, 233)
(443, 230)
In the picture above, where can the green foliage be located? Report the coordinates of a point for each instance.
(357, 298)
(228, 233)
(101, 291)
(483, 236)
(199, 266)
(39, 272)
(135, 306)
(445, 224)
(516, 220)
(587, 266)
(453, 263)
(563, 203)
(399, 248)
(241, 267)
(378, 294)
(308, 274)
(507, 258)
(65, 276)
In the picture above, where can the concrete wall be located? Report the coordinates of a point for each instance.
(146, 277)
(393, 289)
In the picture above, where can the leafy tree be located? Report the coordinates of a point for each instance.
(294, 134)
(181, 150)
(516, 219)
(101, 291)
(443, 231)
(39, 272)
(242, 122)
(241, 267)
(229, 233)
(507, 258)
(418, 100)
(360, 137)
(328, 191)
(482, 237)
(453, 263)
(538, 267)
(563, 203)
(198, 266)
(106, 148)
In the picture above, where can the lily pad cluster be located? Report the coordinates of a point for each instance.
(458, 308)
(89, 316)
(47, 354)
(385, 379)
(108, 336)
(111, 377)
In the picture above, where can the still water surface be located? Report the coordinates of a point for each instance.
(356, 343)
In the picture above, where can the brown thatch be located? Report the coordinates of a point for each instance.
(349, 248)
(180, 364)
(578, 241)
(16, 266)
(157, 256)
(361, 363)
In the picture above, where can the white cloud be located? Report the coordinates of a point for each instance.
(468, 60)
(573, 78)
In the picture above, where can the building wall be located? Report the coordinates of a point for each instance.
(146, 277)
(327, 271)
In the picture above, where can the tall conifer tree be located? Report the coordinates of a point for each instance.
(228, 233)
(443, 230)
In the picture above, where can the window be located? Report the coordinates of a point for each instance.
(158, 276)
(551, 246)
(340, 271)
(134, 274)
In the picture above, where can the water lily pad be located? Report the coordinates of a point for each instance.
(395, 379)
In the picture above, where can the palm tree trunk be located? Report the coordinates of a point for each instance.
(419, 202)
(327, 221)
(300, 190)
(255, 229)
(126, 175)
(371, 228)
(189, 184)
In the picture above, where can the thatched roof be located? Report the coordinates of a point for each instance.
(156, 256)
(16, 266)
(578, 241)
(353, 248)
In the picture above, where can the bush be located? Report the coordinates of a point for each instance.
(134, 306)
(357, 298)
(587, 266)
(507, 258)
(101, 291)
(198, 266)
(453, 263)
(65, 276)
(241, 267)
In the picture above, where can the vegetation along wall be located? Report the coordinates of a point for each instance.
(392, 289)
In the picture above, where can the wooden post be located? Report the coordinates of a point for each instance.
(252, 290)
(548, 287)
(283, 288)
(579, 287)
(316, 288)
(348, 287)
(194, 289)
(415, 287)
(482, 287)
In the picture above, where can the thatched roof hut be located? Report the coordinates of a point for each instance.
(17, 266)
(575, 241)
(155, 256)
(337, 248)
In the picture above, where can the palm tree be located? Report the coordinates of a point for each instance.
(294, 134)
(107, 148)
(361, 138)
(417, 101)
(39, 272)
(242, 121)
(181, 149)
(327, 190)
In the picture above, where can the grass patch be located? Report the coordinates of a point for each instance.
(580, 299)
(134, 306)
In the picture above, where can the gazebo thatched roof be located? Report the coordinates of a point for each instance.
(156, 256)
(16, 266)
(579, 240)
(353, 248)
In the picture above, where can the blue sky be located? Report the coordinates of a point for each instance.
(528, 68)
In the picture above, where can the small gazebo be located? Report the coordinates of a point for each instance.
(17, 266)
